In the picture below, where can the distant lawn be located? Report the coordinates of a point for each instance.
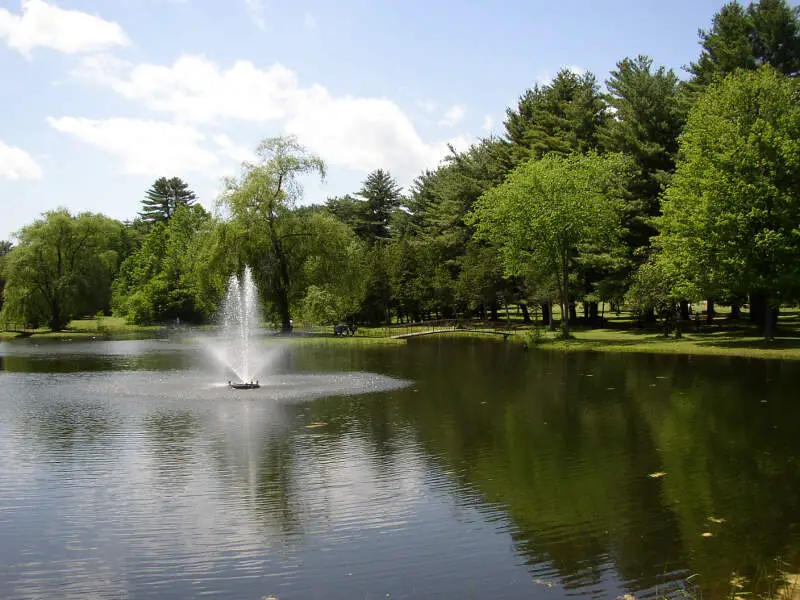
(714, 343)
(89, 328)
(723, 339)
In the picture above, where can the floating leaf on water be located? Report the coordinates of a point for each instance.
(626, 597)
(315, 425)
(707, 534)
(716, 520)
(656, 475)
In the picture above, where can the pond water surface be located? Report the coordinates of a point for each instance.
(437, 469)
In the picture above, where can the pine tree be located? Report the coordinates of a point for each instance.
(382, 196)
(766, 32)
(563, 117)
(164, 197)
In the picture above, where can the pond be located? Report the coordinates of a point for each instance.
(437, 469)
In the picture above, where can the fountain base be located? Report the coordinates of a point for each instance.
(244, 386)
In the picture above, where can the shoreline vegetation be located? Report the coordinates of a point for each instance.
(621, 334)
(648, 192)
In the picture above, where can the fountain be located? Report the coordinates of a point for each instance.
(235, 346)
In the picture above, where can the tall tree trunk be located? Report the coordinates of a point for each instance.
(684, 310)
(493, 310)
(56, 316)
(565, 298)
(757, 302)
(768, 326)
(282, 289)
(593, 310)
(736, 311)
(710, 311)
(573, 312)
(547, 314)
(526, 316)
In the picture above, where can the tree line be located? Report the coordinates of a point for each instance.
(652, 193)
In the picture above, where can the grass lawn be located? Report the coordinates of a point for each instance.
(716, 343)
(90, 328)
(621, 336)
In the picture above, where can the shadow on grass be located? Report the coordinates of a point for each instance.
(780, 343)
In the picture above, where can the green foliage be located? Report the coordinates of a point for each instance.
(765, 33)
(382, 196)
(548, 210)
(262, 228)
(646, 122)
(333, 269)
(730, 223)
(159, 282)
(62, 267)
(164, 198)
(5, 248)
(563, 116)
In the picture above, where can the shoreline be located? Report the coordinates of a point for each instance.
(719, 342)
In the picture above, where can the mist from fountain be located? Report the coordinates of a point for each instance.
(236, 345)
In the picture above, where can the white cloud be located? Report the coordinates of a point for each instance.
(488, 122)
(358, 133)
(45, 25)
(15, 164)
(428, 106)
(309, 22)
(232, 150)
(452, 115)
(256, 8)
(195, 89)
(145, 147)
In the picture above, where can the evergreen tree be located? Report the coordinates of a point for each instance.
(382, 196)
(163, 199)
(765, 33)
(562, 117)
(646, 122)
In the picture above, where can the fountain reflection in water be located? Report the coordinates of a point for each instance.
(237, 346)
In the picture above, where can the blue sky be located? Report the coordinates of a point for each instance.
(101, 97)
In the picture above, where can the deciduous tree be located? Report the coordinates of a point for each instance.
(548, 209)
(62, 267)
(732, 211)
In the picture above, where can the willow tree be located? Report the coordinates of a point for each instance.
(260, 202)
(549, 211)
(61, 268)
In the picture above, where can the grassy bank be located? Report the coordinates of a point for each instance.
(716, 343)
(621, 336)
(104, 327)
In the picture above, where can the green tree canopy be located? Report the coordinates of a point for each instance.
(263, 227)
(645, 124)
(163, 198)
(562, 117)
(547, 210)
(62, 267)
(382, 196)
(159, 282)
(767, 32)
(732, 213)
